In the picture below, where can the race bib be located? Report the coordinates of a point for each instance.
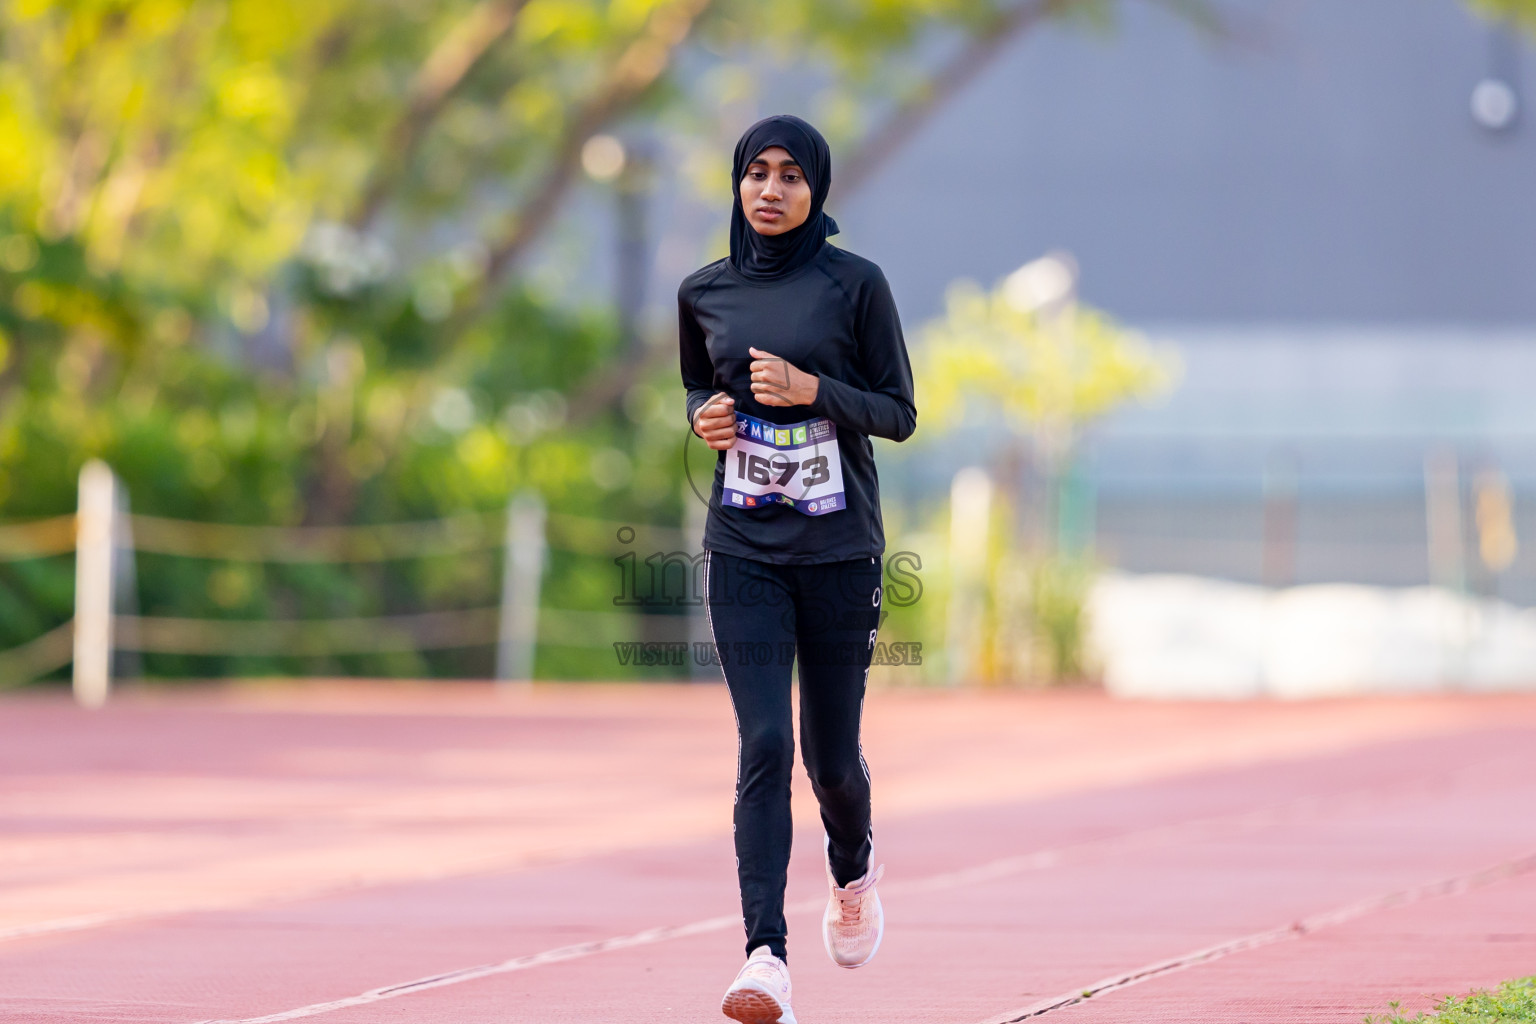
(796, 465)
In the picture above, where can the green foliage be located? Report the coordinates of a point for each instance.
(360, 434)
(1040, 372)
(1058, 588)
(1024, 621)
(1519, 12)
(1035, 626)
(1514, 1002)
(195, 144)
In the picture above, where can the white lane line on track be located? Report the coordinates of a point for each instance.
(1290, 811)
(519, 963)
(1330, 919)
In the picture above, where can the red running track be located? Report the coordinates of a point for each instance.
(349, 854)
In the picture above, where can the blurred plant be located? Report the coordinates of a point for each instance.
(352, 439)
(1520, 12)
(1045, 367)
(241, 160)
(1058, 599)
(1027, 356)
(1513, 1002)
(205, 142)
(1035, 614)
(1025, 617)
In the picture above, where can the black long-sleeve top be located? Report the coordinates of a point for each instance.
(833, 317)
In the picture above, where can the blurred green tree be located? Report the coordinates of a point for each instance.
(1042, 366)
(198, 146)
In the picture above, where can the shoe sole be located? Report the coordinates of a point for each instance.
(751, 1007)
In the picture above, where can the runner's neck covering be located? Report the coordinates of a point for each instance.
(766, 257)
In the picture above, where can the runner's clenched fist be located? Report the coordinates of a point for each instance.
(776, 381)
(715, 421)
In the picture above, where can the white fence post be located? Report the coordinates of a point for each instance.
(970, 516)
(94, 590)
(1447, 554)
(522, 573)
(1442, 508)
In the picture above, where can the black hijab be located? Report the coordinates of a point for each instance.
(766, 257)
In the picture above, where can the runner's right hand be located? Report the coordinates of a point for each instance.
(715, 421)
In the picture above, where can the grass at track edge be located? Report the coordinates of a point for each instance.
(1513, 1003)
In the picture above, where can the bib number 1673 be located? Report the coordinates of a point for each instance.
(779, 469)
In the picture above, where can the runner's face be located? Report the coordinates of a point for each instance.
(774, 193)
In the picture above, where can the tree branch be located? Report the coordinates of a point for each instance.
(967, 63)
(611, 381)
(639, 67)
(444, 70)
(958, 72)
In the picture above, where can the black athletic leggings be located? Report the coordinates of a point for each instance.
(762, 617)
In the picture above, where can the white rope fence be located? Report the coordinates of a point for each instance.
(37, 539)
(39, 656)
(454, 535)
(104, 536)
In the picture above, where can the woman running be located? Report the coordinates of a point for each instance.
(793, 357)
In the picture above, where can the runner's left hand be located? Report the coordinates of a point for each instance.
(776, 381)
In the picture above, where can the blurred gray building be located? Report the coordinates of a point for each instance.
(1330, 210)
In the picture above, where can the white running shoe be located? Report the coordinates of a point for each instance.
(854, 923)
(760, 993)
